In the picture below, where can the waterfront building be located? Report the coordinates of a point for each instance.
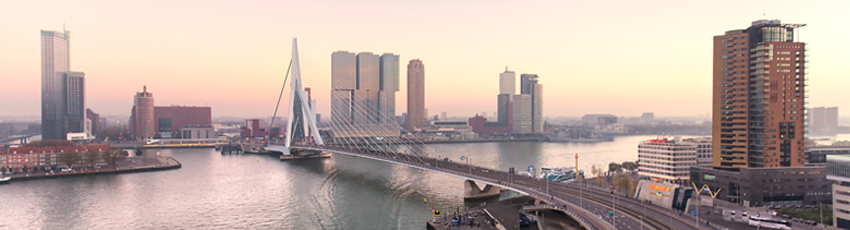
(389, 74)
(62, 91)
(196, 132)
(416, 113)
(764, 186)
(647, 117)
(838, 171)
(363, 87)
(142, 116)
(666, 160)
(169, 121)
(343, 84)
(529, 86)
(599, 119)
(254, 129)
(41, 158)
(823, 118)
(759, 95)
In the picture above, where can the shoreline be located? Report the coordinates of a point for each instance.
(170, 163)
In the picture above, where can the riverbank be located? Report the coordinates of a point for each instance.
(130, 165)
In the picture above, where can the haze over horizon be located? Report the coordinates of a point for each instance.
(619, 57)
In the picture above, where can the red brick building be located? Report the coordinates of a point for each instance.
(480, 125)
(169, 120)
(40, 158)
(253, 129)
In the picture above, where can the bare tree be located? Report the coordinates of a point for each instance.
(70, 158)
(597, 173)
(91, 158)
(113, 155)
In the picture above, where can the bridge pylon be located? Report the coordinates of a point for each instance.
(302, 117)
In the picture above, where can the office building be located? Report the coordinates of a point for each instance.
(765, 186)
(343, 84)
(823, 118)
(142, 116)
(666, 160)
(62, 91)
(416, 113)
(838, 172)
(759, 97)
(818, 154)
(534, 119)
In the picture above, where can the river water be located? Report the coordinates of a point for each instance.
(224, 191)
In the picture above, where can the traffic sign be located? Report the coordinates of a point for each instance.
(611, 214)
(437, 213)
(531, 169)
(462, 158)
(694, 212)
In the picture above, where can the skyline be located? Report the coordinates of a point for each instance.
(231, 47)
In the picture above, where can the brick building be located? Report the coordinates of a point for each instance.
(40, 158)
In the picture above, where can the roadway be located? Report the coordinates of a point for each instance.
(595, 205)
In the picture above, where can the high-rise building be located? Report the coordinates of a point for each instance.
(507, 82)
(522, 118)
(823, 118)
(507, 88)
(416, 113)
(76, 102)
(142, 117)
(363, 87)
(343, 84)
(389, 73)
(759, 97)
(526, 80)
(54, 67)
(444, 116)
(94, 119)
(529, 86)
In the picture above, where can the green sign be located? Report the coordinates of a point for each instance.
(611, 214)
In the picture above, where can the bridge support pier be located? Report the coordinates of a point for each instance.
(471, 191)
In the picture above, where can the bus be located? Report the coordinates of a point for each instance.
(765, 222)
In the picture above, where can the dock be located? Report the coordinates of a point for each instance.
(293, 157)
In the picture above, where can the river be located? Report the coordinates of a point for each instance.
(243, 191)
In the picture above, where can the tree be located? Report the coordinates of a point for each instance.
(91, 158)
(626, 184)
(49, 143)
(113, 155)
(614, 167)
(630, 166)
(2, 169)
(70, 158)
(25, 168)
(616, 181)
(596, 173)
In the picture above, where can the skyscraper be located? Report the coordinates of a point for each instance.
(388, 73)
(522, 113)
(529, 86)
(507, 88)
(364, 87)
(343, 84)
(62, 91)
(142, 116)
(758, 97)
(416, 114)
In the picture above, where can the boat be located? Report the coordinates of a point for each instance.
(5, 180)
(562, 137)
(557, 174)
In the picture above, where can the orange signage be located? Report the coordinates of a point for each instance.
(659, 188)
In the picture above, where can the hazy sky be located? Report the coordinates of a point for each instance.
(620, 57)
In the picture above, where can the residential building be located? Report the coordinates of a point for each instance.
(389, 81)
(41, 158)
(759, 95)
(838, 171)
(666, 160)
(416, 114)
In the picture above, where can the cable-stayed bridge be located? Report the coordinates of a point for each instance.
(377, 139)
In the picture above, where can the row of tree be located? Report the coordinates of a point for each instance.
(621, 182)
(91, 158)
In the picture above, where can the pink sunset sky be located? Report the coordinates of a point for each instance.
(619, 57)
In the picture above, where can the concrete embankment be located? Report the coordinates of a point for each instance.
(131, 165)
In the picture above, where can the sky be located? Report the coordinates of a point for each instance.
(618, 57)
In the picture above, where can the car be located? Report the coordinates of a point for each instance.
(797, 219)
(811, 222)
(798, 206)
(786, 206)
(808, 206)
(786, 216)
